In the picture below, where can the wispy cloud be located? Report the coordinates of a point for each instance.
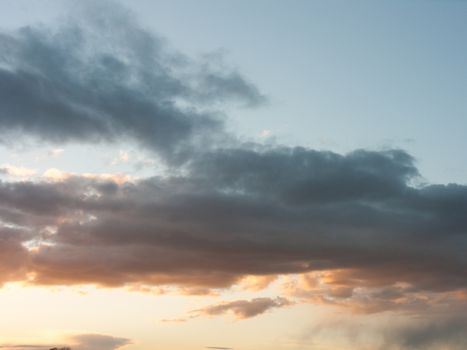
(25, 346)
(244, 308)
(97, 342)
(241, 309)
(439, 333)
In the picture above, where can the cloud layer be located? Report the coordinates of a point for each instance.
(247, 212)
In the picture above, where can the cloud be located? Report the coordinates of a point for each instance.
(256, 283)
(16, 171)
(441, 333)
(23, 346)
(391, 331)
(79, 342)
(243, 309)
(346, 288)
(97, 342)
(250, 212)
(218, 348)
(54, 174)
(14, 258)
(101, 77)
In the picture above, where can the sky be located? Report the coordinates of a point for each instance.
(248, 175)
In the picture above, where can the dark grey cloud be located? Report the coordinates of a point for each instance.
(101, 77)
(304, 176)
(251, 212)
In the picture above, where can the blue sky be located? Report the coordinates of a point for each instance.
(341, 74)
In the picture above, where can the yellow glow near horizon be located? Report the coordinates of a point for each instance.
(46, 315)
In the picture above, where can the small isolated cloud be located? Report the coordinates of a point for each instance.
(97, 342)
(243, 309)
(218, 347)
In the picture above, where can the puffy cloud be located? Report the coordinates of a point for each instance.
(256, 213)
(100, 76)
(345, 288)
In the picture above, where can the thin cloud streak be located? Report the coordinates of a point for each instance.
(25, 346)
(243, 309)
(78, 341)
